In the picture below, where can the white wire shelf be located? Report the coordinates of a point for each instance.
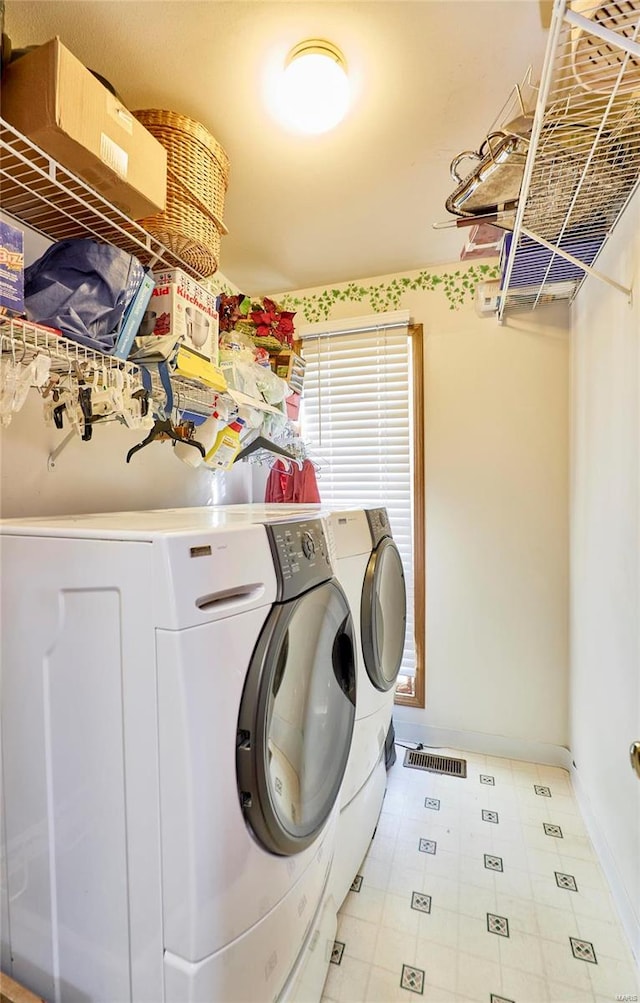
(583, 164)
(189, 395)
(47, 197)
(44, 195)
(23, 340)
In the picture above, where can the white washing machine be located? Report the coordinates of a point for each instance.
(177, 708)
(368, 565)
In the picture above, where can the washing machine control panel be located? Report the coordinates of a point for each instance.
(301, 556)
(378, 524)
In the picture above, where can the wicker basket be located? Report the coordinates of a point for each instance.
(197, 180)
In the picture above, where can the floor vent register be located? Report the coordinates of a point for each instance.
(417, 759)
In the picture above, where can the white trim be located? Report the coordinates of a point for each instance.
(476, 741)
(355, 325)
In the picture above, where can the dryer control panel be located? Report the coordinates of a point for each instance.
(378, 524)
(300, 555)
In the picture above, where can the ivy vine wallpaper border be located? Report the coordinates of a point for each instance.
(218, 283)
(458, 287)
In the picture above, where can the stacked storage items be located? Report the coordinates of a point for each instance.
(55, 101)
(197, 179)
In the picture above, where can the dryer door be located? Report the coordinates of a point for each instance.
(296, 719)
(383, 615)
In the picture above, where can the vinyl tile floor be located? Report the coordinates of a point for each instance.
(484, 888)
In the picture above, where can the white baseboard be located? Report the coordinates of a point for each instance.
(487, 745)
(547, 755)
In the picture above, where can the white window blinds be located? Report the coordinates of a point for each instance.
(356, 418)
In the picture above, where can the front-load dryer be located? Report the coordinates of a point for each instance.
(369, 567)
(178, 703)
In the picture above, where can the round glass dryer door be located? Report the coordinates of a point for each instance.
(296, 719)
(383, 615)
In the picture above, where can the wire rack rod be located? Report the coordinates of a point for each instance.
(575, 261)
(583, 164)
(189, 395)
(599, 30)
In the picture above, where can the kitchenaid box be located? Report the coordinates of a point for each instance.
(180, 306)
(54, 100)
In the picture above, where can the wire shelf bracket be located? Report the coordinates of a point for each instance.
(575, 261)
(583, 163)
(55, 453)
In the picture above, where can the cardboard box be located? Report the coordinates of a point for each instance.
(184, 308)
(54, 100)
(11, 270)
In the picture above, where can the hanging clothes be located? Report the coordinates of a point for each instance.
(298, 486)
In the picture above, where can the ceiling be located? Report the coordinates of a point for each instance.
(429, 78)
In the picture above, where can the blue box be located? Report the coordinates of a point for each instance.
(11, 270)
(133, 316)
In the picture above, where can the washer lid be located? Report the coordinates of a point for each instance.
(383, 615)
(296, 719)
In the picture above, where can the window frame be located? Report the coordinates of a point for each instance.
(416, 381)
(417, 699)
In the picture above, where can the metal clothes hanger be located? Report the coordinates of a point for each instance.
(260, 442)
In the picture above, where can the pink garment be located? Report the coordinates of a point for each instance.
(295, 485)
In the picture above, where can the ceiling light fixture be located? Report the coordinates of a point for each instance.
(314, 89)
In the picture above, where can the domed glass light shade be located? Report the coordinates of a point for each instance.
(313, 94)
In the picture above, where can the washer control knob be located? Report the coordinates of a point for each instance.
(308, 546)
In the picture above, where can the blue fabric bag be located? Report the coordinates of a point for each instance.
(83, 288)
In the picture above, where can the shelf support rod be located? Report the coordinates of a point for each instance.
(51, 461)
(593, 27)
(575, 261)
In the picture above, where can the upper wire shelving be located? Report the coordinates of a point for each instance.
(40, 192)
(22, 341)
(583, 164)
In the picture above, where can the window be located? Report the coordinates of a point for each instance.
(362, 414)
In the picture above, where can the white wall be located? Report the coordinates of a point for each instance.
(496, 520)
(605, 561)
(496, 428)
(95, 477)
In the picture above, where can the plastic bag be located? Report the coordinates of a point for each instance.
(154, 348)
(83, 288)
(236, 347)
